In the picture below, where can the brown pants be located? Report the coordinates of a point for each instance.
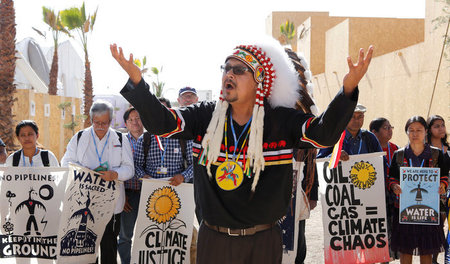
(262, 247)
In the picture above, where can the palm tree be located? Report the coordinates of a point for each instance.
(7, 68)
(158, 86)
(75, 19)
(288, 31)
(53, 20)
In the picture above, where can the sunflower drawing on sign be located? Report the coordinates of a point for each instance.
(163, 206)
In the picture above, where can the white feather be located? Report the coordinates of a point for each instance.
(307, 75)
(285, 85)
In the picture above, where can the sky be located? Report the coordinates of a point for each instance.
(189, 39)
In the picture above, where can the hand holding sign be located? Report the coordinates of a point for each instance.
(396, 189)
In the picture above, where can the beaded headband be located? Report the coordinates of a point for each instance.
(262, 67)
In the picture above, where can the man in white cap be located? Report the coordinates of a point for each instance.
(357, 140)
(243, 146)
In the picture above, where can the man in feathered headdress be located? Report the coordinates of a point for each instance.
(243, 145)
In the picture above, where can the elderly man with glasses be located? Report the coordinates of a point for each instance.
(187, 96)
(102, 149)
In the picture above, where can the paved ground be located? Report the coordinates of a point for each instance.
(314, 239)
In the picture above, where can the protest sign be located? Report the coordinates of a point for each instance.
(419, 200)
(289, 224)
(163, 229)
(89, 204)
(30, 213)
(354, 209)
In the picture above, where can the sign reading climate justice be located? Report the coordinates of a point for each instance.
(163, 230)
(30, 212)
(354, 210)
(419, 200)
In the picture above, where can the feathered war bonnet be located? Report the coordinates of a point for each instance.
(277, 82)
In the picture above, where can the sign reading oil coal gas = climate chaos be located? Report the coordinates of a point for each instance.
(163, 230)
(354, 210)
(419, 200)
(30, 212)
(89, 204)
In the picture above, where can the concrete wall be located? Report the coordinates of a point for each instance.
(399, 82)
(387, 34)
(52, 134)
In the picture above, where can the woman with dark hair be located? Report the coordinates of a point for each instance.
(30, 155)
(437, 137)
(417, 239)
(383, 131)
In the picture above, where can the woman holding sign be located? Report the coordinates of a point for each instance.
(416, 239)
(30, 155)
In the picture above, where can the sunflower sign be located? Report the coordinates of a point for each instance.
(354, 209)
(164, 223)
(30, 212)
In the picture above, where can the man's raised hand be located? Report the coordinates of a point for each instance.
(356, 71)
(128, 65)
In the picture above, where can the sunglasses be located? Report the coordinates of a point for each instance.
(237, 70)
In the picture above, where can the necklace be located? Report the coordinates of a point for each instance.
(230, 175)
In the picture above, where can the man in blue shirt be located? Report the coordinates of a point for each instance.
(357, 140)
(132, 189)
(165, 158)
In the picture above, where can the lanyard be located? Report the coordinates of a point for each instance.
(411, 164)
(388, 160)
(31, 162)
(236, 140)
(163, 152)
(133, 145)
(360, 144)
(443, 148)
(96, 150)
(359, 150)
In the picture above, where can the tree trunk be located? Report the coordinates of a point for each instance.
(7, 68)
(88, 96)
(52, 87)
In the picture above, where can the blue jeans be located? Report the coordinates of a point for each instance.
(128, 220)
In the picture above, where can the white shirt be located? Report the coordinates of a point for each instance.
(120, 158)
(36, 160)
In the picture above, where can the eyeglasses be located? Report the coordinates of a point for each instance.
(188, 96)
(237, 70)
(100, 124)
(388, 127)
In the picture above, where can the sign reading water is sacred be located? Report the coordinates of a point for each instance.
(419, 200)
(30, 211)
(163, 230)
(354, 210)
(89, 203)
